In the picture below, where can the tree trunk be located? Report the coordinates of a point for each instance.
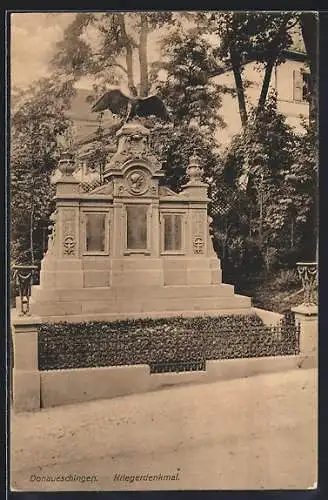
(266, 83)
(128, 54)
(309, 26)
(31, 234)
(261, 221)
(235, 61)
(261, 203)
(143, 59)
(224, 253)
(292, 233)
(271, 62)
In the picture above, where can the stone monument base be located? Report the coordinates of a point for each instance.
(131, 247)
(130, 287)
(106, 303)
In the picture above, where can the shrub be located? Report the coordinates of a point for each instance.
(145, 341)
(287, 279)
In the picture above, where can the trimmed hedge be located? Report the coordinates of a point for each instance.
(145, 341)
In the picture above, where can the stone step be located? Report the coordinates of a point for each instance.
(124, 293)
(141, 305)
(76, 318)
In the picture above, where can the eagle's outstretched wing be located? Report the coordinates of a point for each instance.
(152, 106)
(114, 100)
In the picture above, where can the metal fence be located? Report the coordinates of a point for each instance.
(178, 366)
(261, 340)
(175, 346)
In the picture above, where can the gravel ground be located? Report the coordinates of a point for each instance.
(251, 433)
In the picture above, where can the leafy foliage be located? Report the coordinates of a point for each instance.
(194, 102)
(263, 197)
(271, 222)
(146, 341)
(188, 89)
(254, 35)
(105, 44)
(38, 121)
(250, 36)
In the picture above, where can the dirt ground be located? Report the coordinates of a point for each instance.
(251, 433)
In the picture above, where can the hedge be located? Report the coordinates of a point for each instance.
(145, 341)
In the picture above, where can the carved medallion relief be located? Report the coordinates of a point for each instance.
(137, 182)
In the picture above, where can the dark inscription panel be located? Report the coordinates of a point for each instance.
(95, 232)
(137, 227)
(172, 232)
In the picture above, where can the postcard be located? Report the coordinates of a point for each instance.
(164, 264)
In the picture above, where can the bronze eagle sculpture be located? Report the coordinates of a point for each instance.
(130, 106)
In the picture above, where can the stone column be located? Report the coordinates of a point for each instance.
(306, 315)
(61, 267)
(26, 376)
(67, 189)
(196, 192)
(118, 229)
(155, 230)
(199, 266)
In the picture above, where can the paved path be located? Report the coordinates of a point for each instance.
(258, 432)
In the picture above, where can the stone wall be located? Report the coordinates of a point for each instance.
(33, 389)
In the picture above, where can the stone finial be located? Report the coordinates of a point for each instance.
(66, 164)
(194, 169)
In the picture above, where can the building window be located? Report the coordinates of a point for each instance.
(172, 232)
(95, 232)
(306, 86)
(301, 86)
(136, 227)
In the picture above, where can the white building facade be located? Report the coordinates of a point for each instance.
(289, 80)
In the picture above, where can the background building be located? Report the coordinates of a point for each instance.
(289, 80)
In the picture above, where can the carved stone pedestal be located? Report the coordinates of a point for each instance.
(131, 247)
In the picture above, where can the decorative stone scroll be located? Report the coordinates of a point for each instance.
(105, 189)
(154, 189)
(137, 145)
(307, 272)
(52, 231)
(198, 245)
(198, 226)
(133, 143)
(69, 245)
(69, 232)
(165, 191)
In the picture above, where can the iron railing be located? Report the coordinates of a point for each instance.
(23, 276)
(172, 349)
(178, 366)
